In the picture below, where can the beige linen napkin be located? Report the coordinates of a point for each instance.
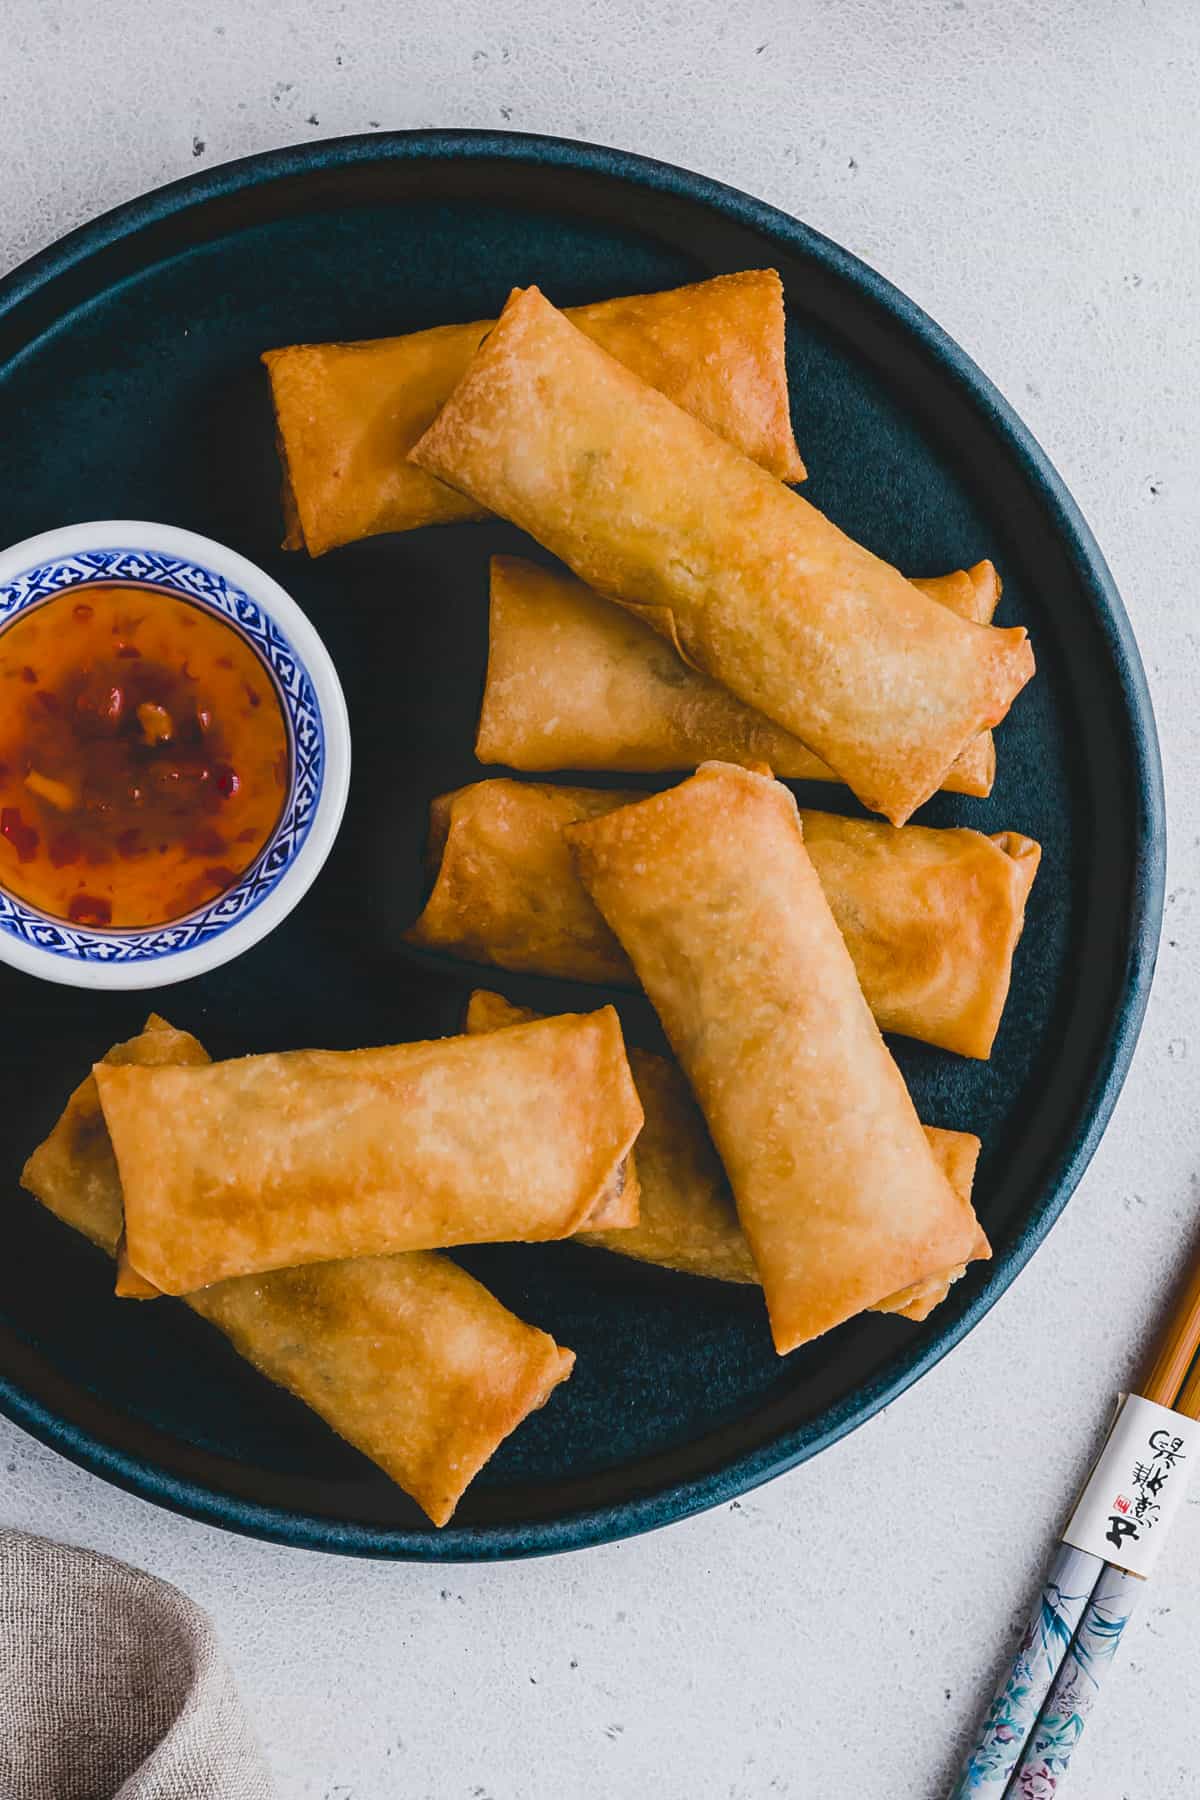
(112, 1686)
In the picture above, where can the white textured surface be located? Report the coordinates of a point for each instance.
(1027, 172)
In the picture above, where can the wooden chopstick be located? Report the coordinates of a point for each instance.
(1168, 1375)
(1024, 1711)
(1187, 1401)
(1046, 1754)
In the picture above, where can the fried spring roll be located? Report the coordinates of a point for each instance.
(688, 1220)
(406, 1357)
(930, 917)
(129, 1284)
(348, 414)
(957, 1153)
(268, 1162)
(574, 682)
(751, 584)
(74, 1172)
(714, 898)
(503, 884)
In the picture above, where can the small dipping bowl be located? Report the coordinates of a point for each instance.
(135, 553)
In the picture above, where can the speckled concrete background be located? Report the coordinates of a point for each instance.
(1028, 173)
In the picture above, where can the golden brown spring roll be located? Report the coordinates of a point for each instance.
(406, 1357)
(503, 884)
(688, 1219)
(751, 584)
(574, 682)
(930, 917)
(268, 1162)
(348, 414)
(714, 898)
(617, 1208)
(129, 1284)
(74, 1172)
(957, 1153)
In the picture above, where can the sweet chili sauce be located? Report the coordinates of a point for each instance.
(144, 756)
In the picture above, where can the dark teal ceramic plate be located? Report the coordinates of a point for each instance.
(130, 387)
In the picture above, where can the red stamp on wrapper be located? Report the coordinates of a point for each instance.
(1121, 1504)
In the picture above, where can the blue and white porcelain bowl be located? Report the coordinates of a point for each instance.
(209, 575)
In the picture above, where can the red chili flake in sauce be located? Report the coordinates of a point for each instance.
(23, 838)
(90, 909)
(100, 704)
(110, 792)
(64, 849)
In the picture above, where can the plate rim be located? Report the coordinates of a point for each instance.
(746, 1470)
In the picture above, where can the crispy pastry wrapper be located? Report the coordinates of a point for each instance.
(74, 1172)
(269, 1162)
(348, 414)
(715, 900)
(750, 583)
(574, 682)
(406, 1357)
(503, 883)
(688, 1219)
(930, 917)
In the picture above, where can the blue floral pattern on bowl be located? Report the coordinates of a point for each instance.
(305, 733)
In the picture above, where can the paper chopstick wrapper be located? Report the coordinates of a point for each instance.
(1137, 1486)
